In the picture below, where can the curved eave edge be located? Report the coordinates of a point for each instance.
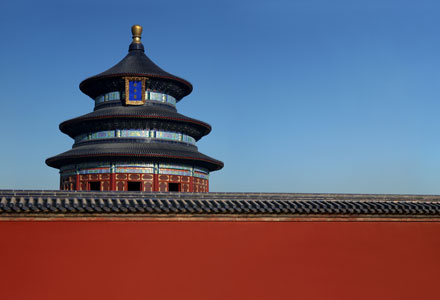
(51, 162)
(83, 85)
(78, 120)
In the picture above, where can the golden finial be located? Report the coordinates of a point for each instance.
(136, 30)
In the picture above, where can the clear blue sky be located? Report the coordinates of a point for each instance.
(303, 96)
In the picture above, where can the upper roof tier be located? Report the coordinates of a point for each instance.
(136, 63)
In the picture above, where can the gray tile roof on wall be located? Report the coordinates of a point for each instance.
(40, 203)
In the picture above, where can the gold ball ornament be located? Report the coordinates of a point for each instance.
(136, 30)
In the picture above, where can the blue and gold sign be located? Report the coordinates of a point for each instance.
(134, 90)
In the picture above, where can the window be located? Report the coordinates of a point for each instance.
(173, 187)
(94, 185)
(134, 186)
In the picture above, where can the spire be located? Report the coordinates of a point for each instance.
(136, 30)
(136, 44)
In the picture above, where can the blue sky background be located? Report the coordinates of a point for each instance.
(303, 96)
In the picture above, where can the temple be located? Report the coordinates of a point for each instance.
(135, 140)
(118, 243)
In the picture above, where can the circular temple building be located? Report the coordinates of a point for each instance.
(135, 140)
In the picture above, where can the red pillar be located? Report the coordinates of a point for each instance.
(155, 182)
(113, 181)
(191, 185)
(77, 184)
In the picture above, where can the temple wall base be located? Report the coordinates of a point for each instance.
(134, 182)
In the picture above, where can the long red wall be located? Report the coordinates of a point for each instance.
(219, 260)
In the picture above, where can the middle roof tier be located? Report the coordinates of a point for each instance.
(136, 117)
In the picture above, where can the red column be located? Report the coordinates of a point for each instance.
(191, 185)
(155, 182)
(113, 181)
(207, 185)
(77, 184)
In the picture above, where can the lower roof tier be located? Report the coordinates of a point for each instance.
(139, 117)
(135, 151)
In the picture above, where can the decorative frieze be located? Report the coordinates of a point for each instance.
(135, 134)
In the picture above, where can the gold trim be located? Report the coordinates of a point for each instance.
(127, 90)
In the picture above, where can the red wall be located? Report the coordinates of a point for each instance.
(219, 260)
